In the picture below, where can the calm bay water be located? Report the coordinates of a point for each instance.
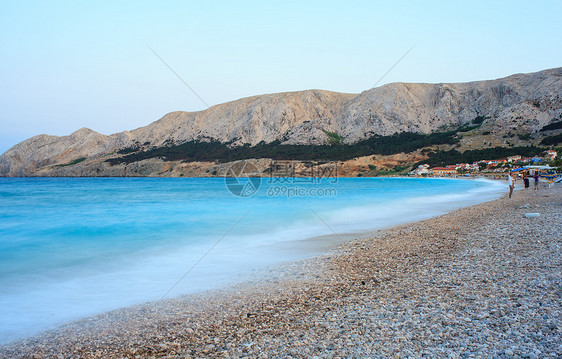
(70, 248)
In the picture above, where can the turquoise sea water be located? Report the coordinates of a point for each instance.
(70, 248)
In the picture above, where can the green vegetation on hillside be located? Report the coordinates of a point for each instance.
(127, 150)
(76, 161)
(396, 170)
(478, 120)
(333, 138)
(467, 128)
(373, 171)
(221, 152)
(552, 126)
(214, 151)
(552, 140)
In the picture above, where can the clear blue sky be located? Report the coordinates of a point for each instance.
(72, 64)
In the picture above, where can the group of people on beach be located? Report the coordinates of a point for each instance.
(511, 178)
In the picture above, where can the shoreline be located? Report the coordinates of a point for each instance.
(351, 301)
(276, 247)
(52, 303)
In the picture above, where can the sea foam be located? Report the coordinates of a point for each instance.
(71, 248)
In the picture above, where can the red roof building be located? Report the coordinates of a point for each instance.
(443, 171)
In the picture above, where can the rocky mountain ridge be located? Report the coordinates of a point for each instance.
(521, 103)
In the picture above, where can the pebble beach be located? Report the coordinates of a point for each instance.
(479, 282)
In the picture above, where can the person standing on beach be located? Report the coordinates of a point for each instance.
(526, 181)
(511, 183)
(536, 180)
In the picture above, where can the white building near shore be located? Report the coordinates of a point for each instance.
(421, 170)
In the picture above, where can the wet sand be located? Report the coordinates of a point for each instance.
(482, 281)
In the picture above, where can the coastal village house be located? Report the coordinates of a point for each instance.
(498, 165)
(421, 170)
(444, 171)
(549, 155)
